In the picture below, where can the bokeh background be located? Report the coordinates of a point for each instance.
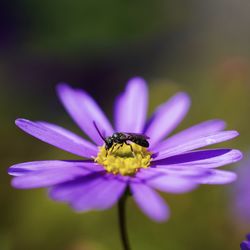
(202, 47)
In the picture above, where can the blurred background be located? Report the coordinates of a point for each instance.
(202, 47)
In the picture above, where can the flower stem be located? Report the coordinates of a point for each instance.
(122, 222)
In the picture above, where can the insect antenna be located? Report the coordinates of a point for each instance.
(99, 131)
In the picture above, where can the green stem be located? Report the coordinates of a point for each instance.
(122, 222)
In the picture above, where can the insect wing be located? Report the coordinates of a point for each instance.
(138, 135)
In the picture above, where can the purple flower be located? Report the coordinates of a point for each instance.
(245, 245)
(172, 165)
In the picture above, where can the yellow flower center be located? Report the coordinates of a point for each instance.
(122, 160)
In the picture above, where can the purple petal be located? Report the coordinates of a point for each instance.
(31, 167)
(167, 182)
(217, 177)
(84, 111)
(218, 161)
(101, 197)
(245, 245)
(67, 191)
(47, 178)
(57, 138)
(209, 156)
(131, 107)
(200, 130)
(248, 237)
(66, 133)
(196, 143)
(180, 171)
(99, 193)
(149, 202)
(167, 117)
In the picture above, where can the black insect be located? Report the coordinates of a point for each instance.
(123, 137)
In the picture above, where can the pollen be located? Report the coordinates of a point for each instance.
(124, 159)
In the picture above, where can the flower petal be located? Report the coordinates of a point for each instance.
(167, 182)
(189, 172)
(200, 130)
(231, 157)
(217, 177)
(57, 138)
(210, 158)
(47, 178)
(196, 143)
(99, 193)
(245, 245)
(67, 191)
(66, 133)
(101, 197)
(131, 107)
(167, 117)
(198, 175)
(84, 111)
(35, 166)
(149, 202)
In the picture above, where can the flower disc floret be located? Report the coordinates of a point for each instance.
(124, 159)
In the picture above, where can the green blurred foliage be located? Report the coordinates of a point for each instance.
(205, 55)
(70, 27)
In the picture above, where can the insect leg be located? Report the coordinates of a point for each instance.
(132, 150)
(111, 149)
(120, 145)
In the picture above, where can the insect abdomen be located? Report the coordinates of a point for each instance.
(142, 143)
